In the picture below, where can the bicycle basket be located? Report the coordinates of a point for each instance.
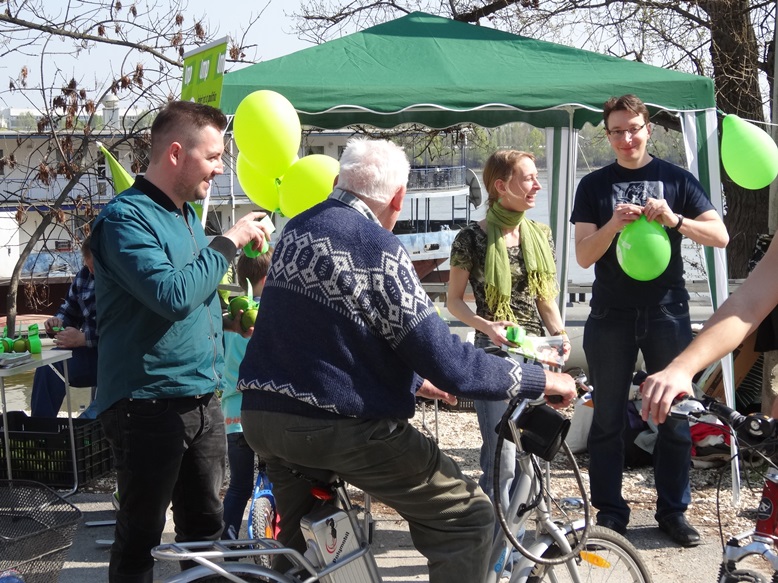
(542, 431)
(37, 527)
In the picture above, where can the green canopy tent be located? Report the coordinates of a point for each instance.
(438, 72)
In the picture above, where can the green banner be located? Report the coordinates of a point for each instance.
(204, 73)
(122, 180)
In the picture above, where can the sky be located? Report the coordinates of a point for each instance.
(272, 34)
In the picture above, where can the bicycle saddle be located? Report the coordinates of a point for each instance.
(315, 475)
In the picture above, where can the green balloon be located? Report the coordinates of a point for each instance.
(748, 153)
(307, 182)
(643, 250)
(267, 131)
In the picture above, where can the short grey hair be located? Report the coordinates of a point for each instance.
(373, 169)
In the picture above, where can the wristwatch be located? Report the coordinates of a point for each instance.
(677, 226)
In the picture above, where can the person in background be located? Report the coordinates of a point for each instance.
(74, 328)
(737, 318)
(161, 345)
(628, 315)
(345, 335)
(239, 454)
(508, 260)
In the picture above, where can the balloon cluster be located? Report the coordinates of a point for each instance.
(31, 343)
(643, 249)
(748, 153)
(267, 131)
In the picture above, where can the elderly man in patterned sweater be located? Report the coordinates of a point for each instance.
(344, 338)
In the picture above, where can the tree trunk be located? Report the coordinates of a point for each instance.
(735, 61)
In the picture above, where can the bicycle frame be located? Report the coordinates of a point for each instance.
(526, 502)
(764, 537)
(359, 561)
(527, 487)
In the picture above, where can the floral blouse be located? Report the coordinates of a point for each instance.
(468, 252)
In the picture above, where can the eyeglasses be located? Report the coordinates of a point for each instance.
(620, 134)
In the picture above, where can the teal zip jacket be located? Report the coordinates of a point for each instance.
(158, 314)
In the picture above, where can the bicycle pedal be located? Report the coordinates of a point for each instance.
(571, 503)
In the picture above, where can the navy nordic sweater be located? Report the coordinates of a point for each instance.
(346, 328)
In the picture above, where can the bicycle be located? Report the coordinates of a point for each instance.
(557, 550)
(759, 433)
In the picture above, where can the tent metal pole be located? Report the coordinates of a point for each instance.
(569, 193)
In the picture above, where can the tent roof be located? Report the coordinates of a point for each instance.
(439, 72)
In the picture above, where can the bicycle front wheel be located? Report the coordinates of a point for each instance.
(607, 556)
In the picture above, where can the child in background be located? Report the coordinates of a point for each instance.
(239, 455)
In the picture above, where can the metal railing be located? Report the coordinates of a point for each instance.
(436, 177)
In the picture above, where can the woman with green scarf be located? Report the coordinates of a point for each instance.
(508, 261)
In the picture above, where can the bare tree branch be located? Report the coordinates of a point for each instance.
(61, 32)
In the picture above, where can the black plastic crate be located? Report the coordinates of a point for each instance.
(40, 450)
(36, 530)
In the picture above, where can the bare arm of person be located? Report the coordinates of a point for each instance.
(592, 242)
(706, 229)
(456, 305)
(429, 391)
(738, 317)
(552, 319)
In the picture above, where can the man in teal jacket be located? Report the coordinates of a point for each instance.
(161, 334)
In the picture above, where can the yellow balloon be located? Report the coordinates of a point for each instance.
(307, 182)
(748, 153)
(267, 131)
(262, 191)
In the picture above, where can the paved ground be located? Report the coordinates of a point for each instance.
(398, 561)
(87, 561)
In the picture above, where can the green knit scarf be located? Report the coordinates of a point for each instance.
(538, 261)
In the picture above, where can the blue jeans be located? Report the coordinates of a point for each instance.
(241, 459)
(48, 390)
(612, 338)
(164, 449)
(489, 415)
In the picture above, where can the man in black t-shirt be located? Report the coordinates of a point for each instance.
(628, 315)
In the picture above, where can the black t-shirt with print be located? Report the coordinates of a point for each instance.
(595, 199)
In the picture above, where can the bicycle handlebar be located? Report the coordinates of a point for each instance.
(753, 428)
